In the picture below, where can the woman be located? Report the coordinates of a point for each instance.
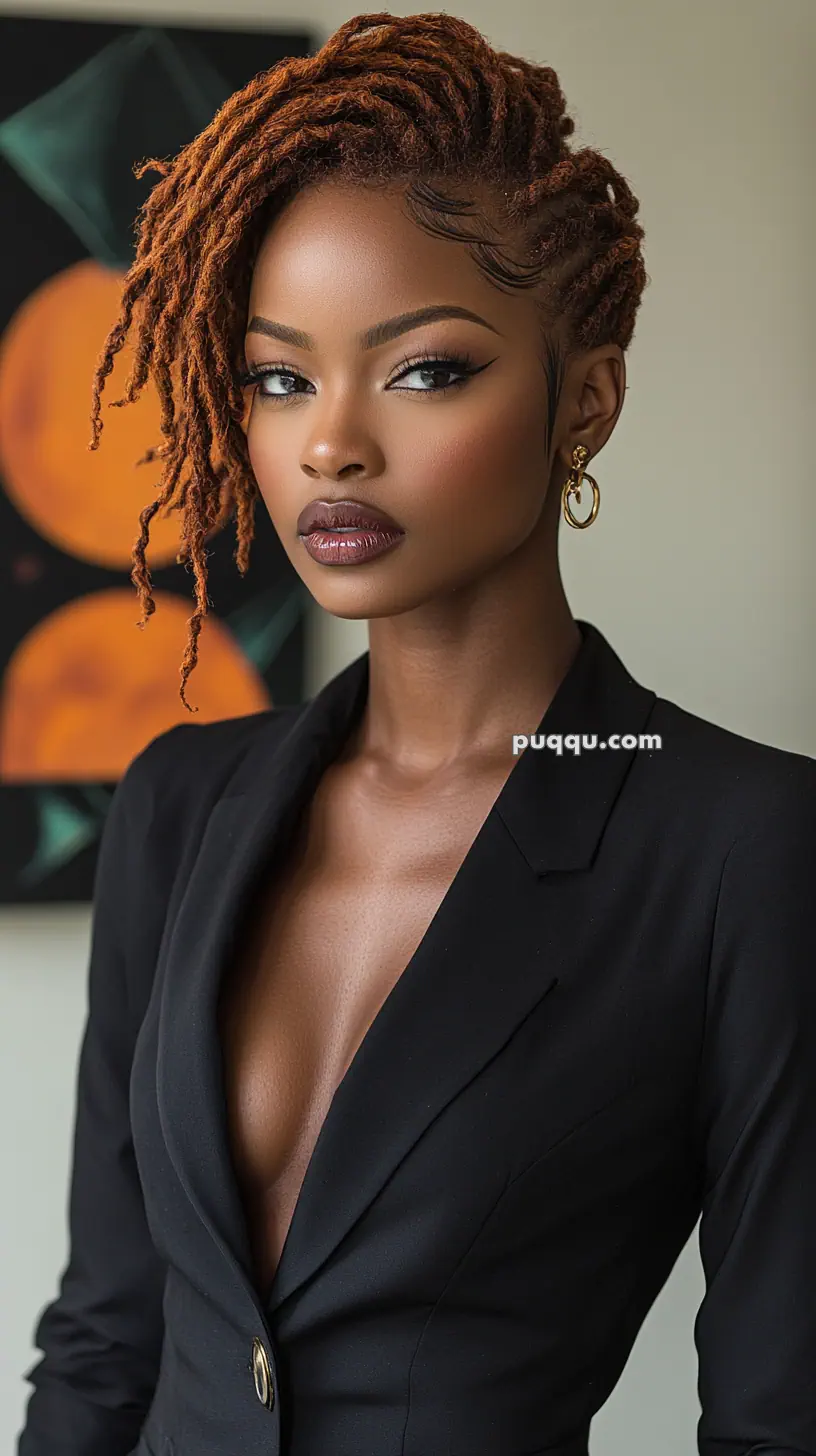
(412, 1059)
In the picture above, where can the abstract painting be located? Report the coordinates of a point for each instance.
(82, 689)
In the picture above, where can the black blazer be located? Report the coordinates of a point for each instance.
(608, 1030)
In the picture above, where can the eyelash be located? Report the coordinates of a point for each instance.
(453, 363)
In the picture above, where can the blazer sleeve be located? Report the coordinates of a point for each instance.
(755, 1330)
(101, 1337)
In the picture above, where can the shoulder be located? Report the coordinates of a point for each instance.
(712, 778)
(172, 783)
(154, 824)
(204, 754)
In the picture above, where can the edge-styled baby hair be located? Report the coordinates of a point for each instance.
(418, 101)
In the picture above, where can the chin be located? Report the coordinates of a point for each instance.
(346, 614)
(367, 602)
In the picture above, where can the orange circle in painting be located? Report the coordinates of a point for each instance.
(87, 502)
(87, 689)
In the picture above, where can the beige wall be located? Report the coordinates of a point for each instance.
(699, 569)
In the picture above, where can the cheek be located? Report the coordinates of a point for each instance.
(268, 460)
(487, 475)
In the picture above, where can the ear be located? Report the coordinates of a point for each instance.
(596, 397)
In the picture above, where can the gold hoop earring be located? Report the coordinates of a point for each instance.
(572, 486)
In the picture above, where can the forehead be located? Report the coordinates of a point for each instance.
(337, 241)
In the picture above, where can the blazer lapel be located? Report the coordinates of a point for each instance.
(458, 1000)
(249, 822)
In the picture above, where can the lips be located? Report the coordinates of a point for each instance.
(343, 515)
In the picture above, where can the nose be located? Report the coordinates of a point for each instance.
(337, 459)
(338, 442)
(332, 465)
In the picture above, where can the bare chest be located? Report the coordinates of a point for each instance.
(326, 939)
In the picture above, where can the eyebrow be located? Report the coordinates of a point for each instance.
(379, 334)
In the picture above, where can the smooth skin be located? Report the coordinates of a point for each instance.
(470, 633)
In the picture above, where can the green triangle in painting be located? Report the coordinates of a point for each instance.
(144, 95)
(63, 831)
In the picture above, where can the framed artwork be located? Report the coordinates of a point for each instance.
(82, 689)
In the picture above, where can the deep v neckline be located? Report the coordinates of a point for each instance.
(263, 863)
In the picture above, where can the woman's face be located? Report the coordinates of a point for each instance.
(454, 452)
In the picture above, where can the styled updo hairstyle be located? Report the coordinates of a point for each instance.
(422, 101)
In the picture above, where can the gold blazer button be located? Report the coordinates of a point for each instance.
(262, 1374)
